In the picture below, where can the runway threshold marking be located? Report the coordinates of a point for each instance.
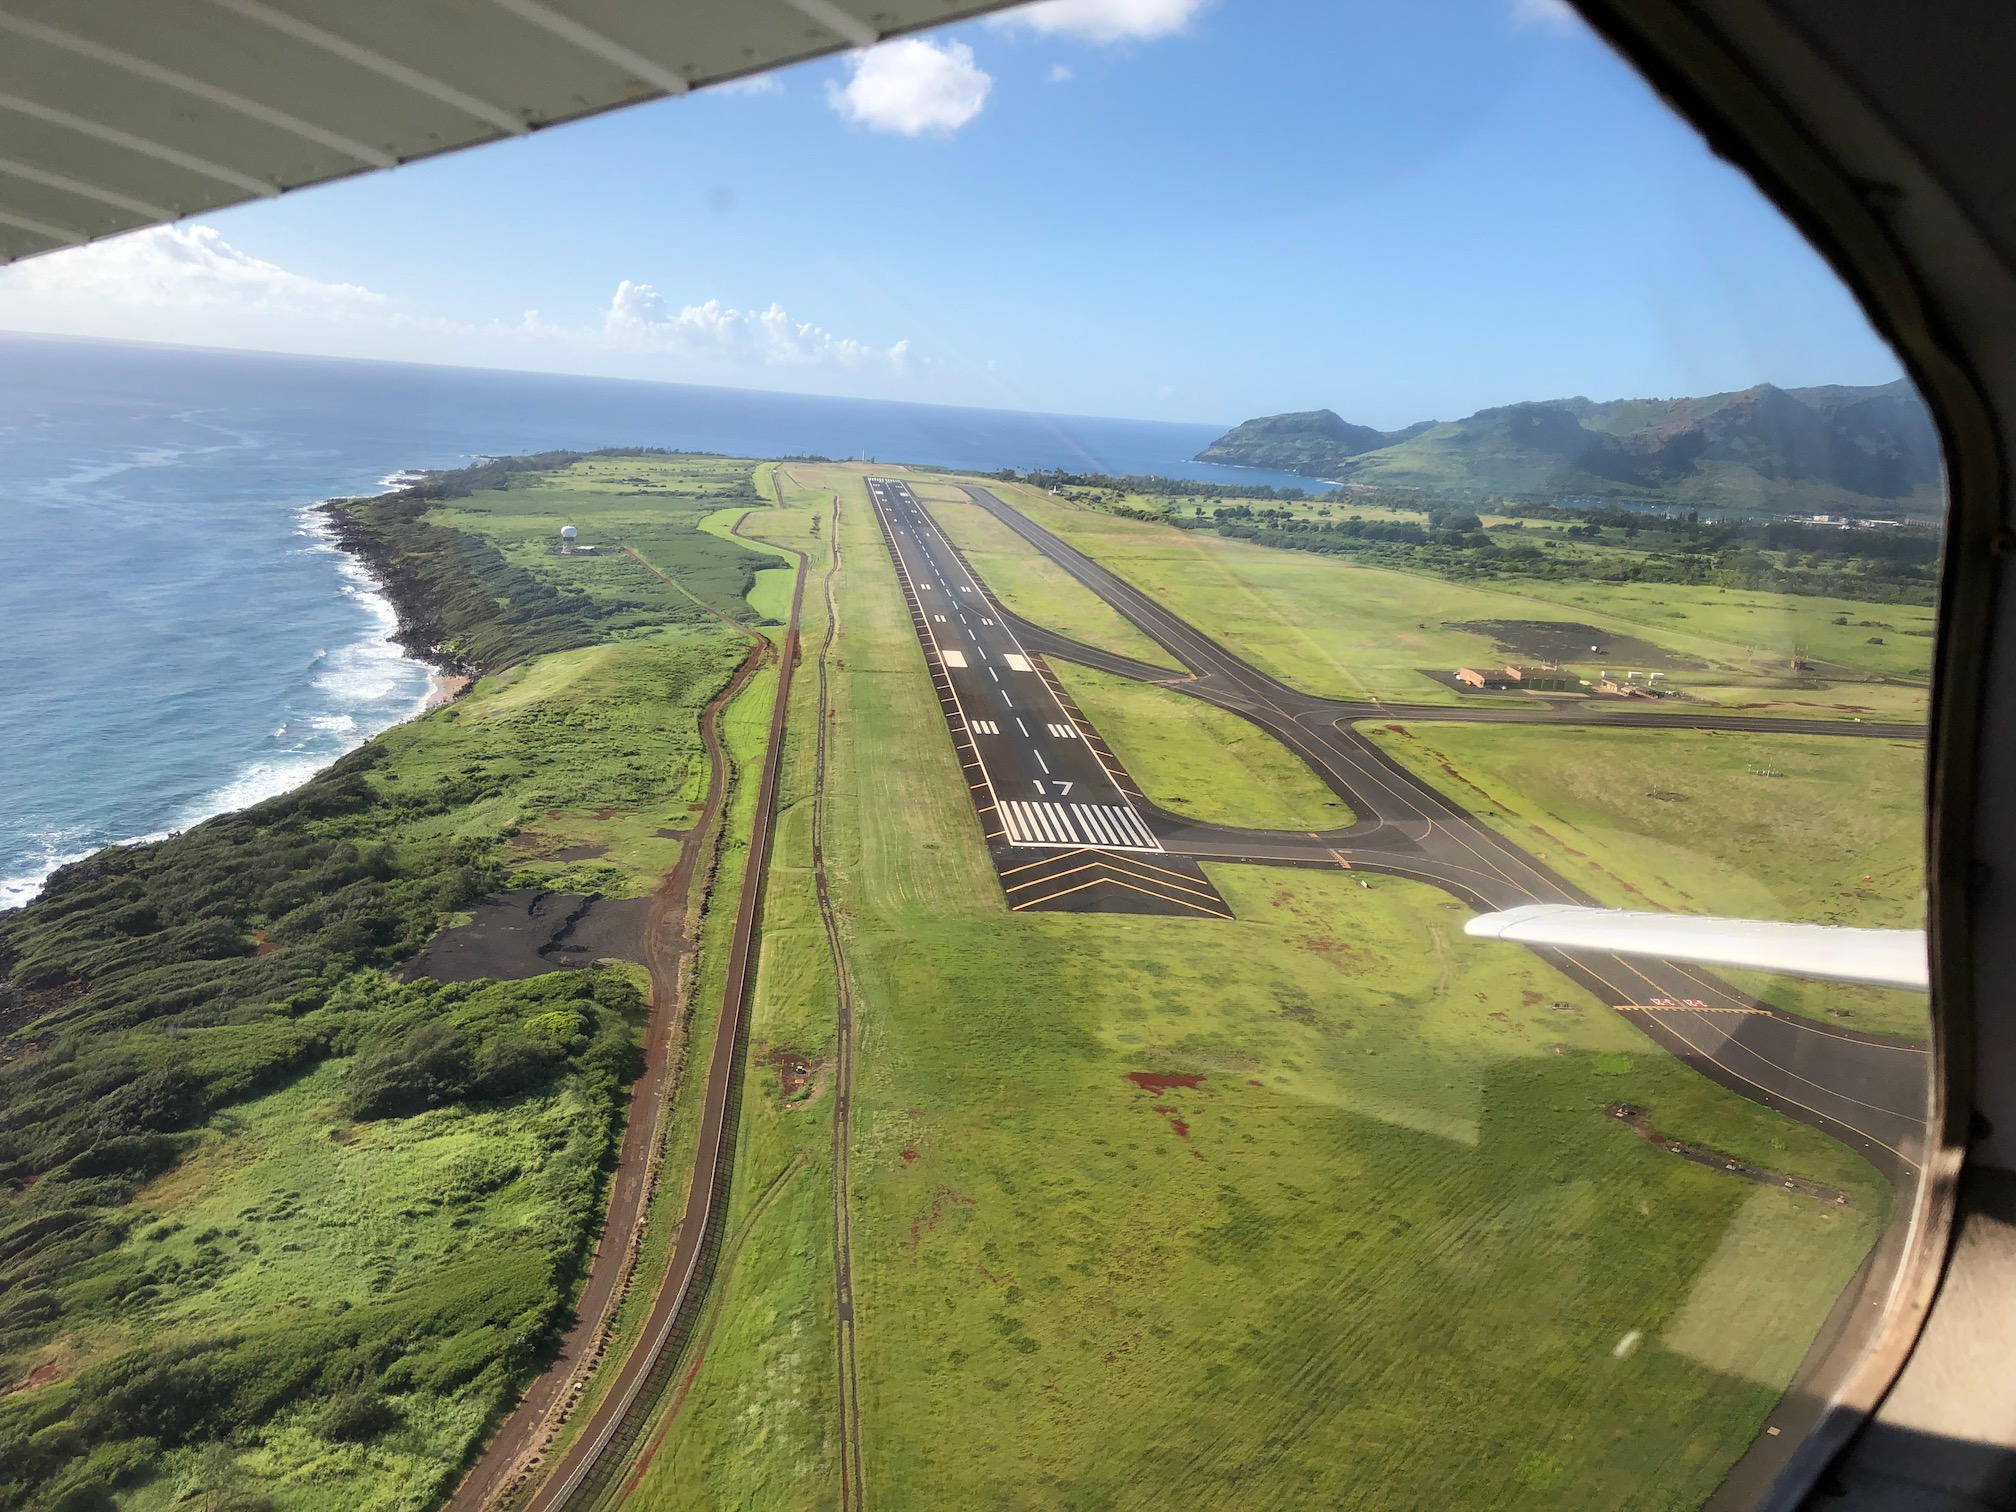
(1688, 1008)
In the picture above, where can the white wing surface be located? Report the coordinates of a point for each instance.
(1873, 957)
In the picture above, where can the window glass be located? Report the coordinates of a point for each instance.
(807, 797)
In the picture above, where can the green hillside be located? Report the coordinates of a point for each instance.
(1864, 451)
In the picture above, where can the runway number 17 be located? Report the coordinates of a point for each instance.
(1063, 788)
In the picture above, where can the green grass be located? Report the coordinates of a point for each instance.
(1809, 828)
(1392, 1273)
(1029, 583)
(1200, 761)
(657, 506)
(1346, 631)
(592, 748)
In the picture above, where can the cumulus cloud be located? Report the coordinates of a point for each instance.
(639, 316)
(1104, 20)
(181, 268)
(912, 87)
(1550, 15)
(187, 284)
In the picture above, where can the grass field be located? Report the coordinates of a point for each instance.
(1814, 829)
(625, 717)
(655, 506)
(1386, 1250)
(1347, 631)
(1200, 761)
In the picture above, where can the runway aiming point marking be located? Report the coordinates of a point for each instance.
(951, 658)
(1017, 663)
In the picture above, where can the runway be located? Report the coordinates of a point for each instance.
(1865, 1090)
(1066, 827)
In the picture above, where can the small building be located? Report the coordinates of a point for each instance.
(1542, 679)
(1472, 678)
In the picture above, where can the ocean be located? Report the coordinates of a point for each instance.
(180, 636)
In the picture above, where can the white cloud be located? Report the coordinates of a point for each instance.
(187, 284)
(912, 87)
(1550, 15)
(1059, 74)
(181, 268)
(639, 317)
(1104, 20)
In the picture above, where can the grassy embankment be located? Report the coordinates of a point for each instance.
(1386, 1251)
(254, 1185)
(1813, 828)
(1346, 631)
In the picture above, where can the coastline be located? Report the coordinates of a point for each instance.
(324, 737)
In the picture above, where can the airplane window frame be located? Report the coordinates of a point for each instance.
(1773, 102)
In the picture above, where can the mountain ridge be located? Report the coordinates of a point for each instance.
(1868, 450)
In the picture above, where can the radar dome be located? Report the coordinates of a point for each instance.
(568, 532)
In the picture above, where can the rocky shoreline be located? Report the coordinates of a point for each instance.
(420, 631)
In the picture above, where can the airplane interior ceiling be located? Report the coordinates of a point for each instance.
(116, 115)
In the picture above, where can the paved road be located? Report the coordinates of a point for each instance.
(1867, 1091)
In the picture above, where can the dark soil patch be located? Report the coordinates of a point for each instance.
(793, 1071)
(580, 852)
(672, 834)
(1635, 1119)
(1564, 641)
(527, 933)
(1163, 1081)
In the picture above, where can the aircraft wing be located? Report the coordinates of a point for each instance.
(1873, 957)
(116, 114)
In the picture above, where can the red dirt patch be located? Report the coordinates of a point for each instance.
(1163, 1081)
(41, 1375)
(908, 1156)
(1175, 1122)
(793, 1071)
(605, 813)
(1530, 998)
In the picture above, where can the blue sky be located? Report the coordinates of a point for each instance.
(1152, 208)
